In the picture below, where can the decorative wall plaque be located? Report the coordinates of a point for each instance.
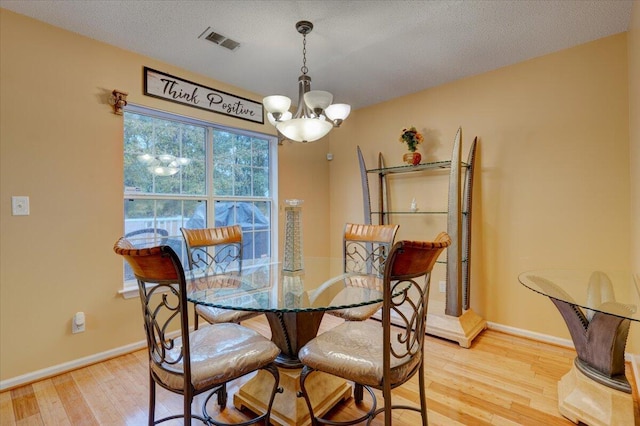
(168, 87)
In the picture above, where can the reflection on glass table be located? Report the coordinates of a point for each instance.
(294, 304)
(598, 307)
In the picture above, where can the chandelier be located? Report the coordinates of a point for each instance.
(163, 164)
(316, 115)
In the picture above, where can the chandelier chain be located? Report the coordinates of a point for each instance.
(304, 68)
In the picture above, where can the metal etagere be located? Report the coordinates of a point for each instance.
(456, 321)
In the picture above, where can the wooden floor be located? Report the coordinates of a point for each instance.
(500, 380)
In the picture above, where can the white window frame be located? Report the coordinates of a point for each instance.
(130, 288)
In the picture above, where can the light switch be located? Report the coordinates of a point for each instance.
(20, 205)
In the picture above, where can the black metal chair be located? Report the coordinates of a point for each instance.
(382, 357)
(190, 363)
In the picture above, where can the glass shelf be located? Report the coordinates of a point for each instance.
(444, 262)
(410, 212)
(408, 168)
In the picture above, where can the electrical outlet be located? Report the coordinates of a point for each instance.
(20, 205)
(443, 286)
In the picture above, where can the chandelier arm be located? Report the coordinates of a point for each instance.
(304, 85)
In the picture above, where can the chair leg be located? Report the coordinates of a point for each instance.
(423, 396)
(271, 368)
(195, 320)
(303, 393)
(152, 401)
(388, 405)
(358, 392)
(222, 397)
(187, 399)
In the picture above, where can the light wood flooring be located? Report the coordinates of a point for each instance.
(501, 380)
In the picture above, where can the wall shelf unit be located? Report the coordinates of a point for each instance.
(454, 319)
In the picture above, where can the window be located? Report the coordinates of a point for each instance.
(180, 172)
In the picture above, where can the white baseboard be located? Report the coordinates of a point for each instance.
(69, 366)
(103, 356)
(634, 359)
(545, 338)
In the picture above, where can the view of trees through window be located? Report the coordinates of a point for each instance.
(185, 173)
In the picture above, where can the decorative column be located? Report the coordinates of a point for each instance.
(293, 263)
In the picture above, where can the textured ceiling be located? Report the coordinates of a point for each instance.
(364, 52)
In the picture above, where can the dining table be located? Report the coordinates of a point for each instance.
(294, 303)
(598, 307)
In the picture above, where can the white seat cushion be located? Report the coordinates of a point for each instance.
(218, 315)
(355, 287)
(219, 353)
(349, 295)
(354, 351)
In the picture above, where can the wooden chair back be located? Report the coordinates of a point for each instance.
(219, 247)
(366, 247)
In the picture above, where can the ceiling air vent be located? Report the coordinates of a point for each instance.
(219, 39)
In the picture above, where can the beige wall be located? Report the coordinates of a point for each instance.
(304, 174)
(62, 146)
(633, 49)
(553, 180)
(552, 188)
(634, 133)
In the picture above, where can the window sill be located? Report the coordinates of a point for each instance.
(129, 292)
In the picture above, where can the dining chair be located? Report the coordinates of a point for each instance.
(382, 357)
(364, 252)
(190, 363)
(365, 249)
(219, 250)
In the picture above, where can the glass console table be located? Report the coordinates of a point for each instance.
(598, 308)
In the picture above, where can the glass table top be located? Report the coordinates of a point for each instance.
(610, 292)
(264, 286)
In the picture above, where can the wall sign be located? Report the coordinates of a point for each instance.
(164, 86)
